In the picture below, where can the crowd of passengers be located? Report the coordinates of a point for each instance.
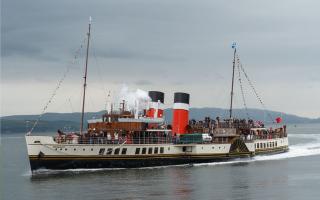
(119, 137)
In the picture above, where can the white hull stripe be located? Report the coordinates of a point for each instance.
(182, 106)
(156, 105)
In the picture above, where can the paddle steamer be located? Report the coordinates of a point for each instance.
(127, 138)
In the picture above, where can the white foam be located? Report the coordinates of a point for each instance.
(297, 150)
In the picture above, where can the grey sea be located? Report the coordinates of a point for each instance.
(291, 175)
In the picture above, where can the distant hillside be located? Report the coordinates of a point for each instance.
(256, 114)
(74, 117)
(70, 121)
(22, 126)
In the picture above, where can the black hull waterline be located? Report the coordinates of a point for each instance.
(62, 163)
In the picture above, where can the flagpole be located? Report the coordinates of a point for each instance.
(233, 68)
(85, 78)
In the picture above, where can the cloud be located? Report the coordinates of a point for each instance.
(143, 82)
(185, 43)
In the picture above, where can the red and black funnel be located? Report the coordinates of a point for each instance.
(156, 106)
(180, 113)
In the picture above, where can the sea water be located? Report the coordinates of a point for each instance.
(291, 175)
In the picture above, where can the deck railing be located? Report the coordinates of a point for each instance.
(144, 140)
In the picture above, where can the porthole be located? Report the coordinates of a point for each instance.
(74, 149)
(65, 149)
(83, 149)
(91, 149)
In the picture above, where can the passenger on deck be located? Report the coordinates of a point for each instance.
(108, 138)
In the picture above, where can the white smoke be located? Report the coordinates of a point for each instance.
(134, 99)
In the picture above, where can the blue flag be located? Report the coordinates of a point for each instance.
(234, 45)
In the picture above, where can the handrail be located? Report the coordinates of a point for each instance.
(144, 140)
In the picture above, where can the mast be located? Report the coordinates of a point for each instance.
(85, 77)
(233, 67)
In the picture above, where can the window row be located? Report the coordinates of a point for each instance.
(115, 152)
(266, 145)
(123, 151)
(151, 150)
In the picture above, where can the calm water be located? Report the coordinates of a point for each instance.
(292, 175)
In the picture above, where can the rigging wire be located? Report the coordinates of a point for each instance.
(254, 90)
(241, 88)
(75, 57)
(106, 92)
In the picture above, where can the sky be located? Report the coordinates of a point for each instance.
(168, 45)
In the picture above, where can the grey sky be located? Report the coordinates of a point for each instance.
(161, 45)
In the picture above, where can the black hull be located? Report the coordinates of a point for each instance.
(96, 163)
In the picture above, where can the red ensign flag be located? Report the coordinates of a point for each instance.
(278, 120)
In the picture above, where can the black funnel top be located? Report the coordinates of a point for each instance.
(180, 97)
(156, 95)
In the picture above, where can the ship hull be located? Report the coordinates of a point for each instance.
(61, 163)
(44, 153)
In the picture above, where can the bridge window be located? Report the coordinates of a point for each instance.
(124, 151)
(109, 151)
(156, 150)
(137, 150)
(101, 151)
(116, 151)
(144, 150)
(161, 149)
(150, 150)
